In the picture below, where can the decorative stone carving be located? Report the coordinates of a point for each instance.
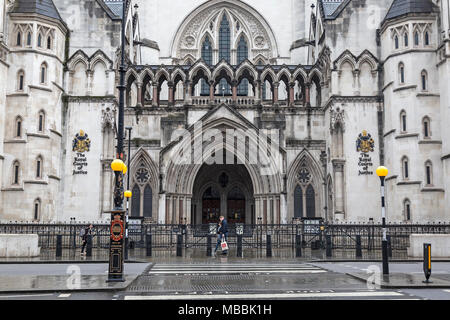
(189, 41)
(259, 42)
(108, 118)
(337, 116)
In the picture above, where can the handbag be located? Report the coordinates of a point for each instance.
(224, 245)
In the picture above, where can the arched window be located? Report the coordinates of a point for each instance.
(423, 79)
(20, 80)
(207, 57)
(39, 42)
(298, 202)
(39, 167)
(148, 194)
(407, 209)
(36, 209)
(426, 127)
(41, 121)
(405, 168)
(310, 202)
(416, 38)
(242, 54)
(49, 42)
(43, 73)
(29, 39)
(16, 173)
(403, 121)
(19, 39)
(405, 39)
(427, 38)
(136, 201)
(401, 73)
(18, 132)
(428, 173)
(396, 42)
(225, 49)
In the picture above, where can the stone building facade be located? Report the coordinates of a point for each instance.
(264, 111)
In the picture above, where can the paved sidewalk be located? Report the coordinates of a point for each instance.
(32, 278)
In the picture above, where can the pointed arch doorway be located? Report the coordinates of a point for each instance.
(223, 190)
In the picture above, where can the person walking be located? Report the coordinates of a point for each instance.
(84, 237)
(222, 232)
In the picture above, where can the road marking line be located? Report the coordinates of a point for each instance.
(446, 290)
(268, 296)
(28, 295)
(64, 295)
(236, 271)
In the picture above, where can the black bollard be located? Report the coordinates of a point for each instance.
(298, 245)
(427, 262)
(389, 246)
(179, 245)
(125, 256)
(89, 246)
(239, 246)
(59, 245)
(358, 247)
(329, 246)
(148, 245)
(208, 246)
(269, 245)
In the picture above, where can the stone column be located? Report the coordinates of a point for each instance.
(139, 94)
(339, 185)
(234, 88)
(171, 99)
(275, 92)
(291, 94)
(211, 92)
(258, 92)
(307, 95)
(89, 74)
(187, 92)
(188, 207)
(155, 94)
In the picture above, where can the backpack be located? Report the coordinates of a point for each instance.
(82, 232)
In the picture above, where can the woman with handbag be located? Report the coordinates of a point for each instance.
(222, 232)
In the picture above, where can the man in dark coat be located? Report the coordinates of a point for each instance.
(222, 232)
(84, 238)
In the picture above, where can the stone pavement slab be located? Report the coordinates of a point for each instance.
(407, 280)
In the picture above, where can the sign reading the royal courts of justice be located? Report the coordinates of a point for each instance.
(365, 144)
(81, 144)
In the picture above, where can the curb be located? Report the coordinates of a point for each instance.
(413, 286)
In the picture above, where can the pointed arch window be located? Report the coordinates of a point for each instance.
(16, 173)
(396, 42)
(401, 71)
(142, 197)
(39, 41)
(416, 38)
(298, 202)
(403, 121)
(36, 209)
(310, 202)
(407, 209)
(20, 80)
(426, 127)
(41, 121)
(19, 39)
(405, 39)
(39, 167)
(428, 173)
(405, 168)
(242, 55)
(424, 80)
(18, 132)
(136, 201)
(207, 57)
(43, 73)
(29, 39)
(224, 40)
(49, 42)
(427, 38)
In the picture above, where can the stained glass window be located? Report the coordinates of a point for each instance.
(224, 50)
(207, 57)
(310, 202)
(242, 54)
(298, 202)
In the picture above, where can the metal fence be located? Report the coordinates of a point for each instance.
(165, 236)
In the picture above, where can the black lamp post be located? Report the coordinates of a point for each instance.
(116, 243)
(127, 195)
(382, 172)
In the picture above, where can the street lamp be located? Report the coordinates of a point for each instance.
(127, 214)
(382, 172)
(115, 272)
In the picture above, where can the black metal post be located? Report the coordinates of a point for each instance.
(128, 188)
(384, 244)
(115, 272)
(268, 245)
(208, 246)
(59, 245)
(389, 245)
(329, 246)
(239, 246)
(298, 245)
(89, 246)
(179, 245)
(358, 247)
(148, 244)
(427, 262)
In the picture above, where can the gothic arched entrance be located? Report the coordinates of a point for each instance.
(223, 190)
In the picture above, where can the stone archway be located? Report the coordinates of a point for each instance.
(223, 189)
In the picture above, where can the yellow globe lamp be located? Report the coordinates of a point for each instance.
(117, 165)
(125, 168)
(382, 172)
(128, 194)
